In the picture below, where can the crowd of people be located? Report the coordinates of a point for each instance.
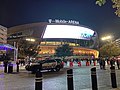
(101, 61)
(110, 61)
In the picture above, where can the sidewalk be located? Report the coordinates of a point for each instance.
(25, 80)
(103, 89)
(14, 68)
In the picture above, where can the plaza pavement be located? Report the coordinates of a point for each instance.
(25, 81)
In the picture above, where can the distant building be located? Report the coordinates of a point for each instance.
(3, 40)
(3, 35)
(117, 42)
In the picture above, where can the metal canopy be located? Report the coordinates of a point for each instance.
(6, 46)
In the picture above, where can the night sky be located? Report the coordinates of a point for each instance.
(101, 19)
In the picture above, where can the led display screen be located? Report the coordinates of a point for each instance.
(67, 31)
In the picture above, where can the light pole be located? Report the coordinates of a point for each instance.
(15, 51)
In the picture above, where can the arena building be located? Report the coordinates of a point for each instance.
(50, 35)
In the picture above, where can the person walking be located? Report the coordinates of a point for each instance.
(112, 62)
(5, 61)
(103, 63)
(118, 63)
(100, 63)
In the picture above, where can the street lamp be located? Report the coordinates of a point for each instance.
(30, 39)
(106, 38)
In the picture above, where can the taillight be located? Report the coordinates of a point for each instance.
(54, 62)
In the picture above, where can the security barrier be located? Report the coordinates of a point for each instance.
(94, 79)
(113, 77)
(70, 79)
(38, 81)
(79, 63)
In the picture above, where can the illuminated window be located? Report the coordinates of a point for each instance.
(42, 43)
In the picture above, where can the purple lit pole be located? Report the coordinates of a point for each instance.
(15, 51)
(16, 55)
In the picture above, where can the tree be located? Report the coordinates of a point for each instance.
(116, 4)
(100, 2)
(64, 50)
(109, 49)
(27, 48)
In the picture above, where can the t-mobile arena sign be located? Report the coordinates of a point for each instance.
(63, 21)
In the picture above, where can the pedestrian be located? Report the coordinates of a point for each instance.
(103, 63)
(5, 61)
(100, 63)
(112, 62)
(118, 63)
(17, 63)
(90, 61)
(108, 61)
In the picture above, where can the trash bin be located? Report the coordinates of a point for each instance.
(10, 68)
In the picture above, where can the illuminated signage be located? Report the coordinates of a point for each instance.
(63, 21)
(68, 31)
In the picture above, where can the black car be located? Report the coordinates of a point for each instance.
(44, 65)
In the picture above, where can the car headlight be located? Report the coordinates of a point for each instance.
(30, 64)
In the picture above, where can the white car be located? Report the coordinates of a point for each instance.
(51, 64)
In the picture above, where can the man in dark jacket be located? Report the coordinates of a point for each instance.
(100, 63)
(5, 61)
(112, 62)
(103, 63)
(118, 63)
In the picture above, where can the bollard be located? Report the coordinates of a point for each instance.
(94, 63)
(113, 77)
(63, 63)
(79, 63)
(94, 79)
(38, 80)
(87, 63)
(70, 79)
(71, 64)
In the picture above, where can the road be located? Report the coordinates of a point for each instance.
(57, 80)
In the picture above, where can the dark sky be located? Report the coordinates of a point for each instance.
(101, 19)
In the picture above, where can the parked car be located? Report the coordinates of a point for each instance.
(52, 64)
